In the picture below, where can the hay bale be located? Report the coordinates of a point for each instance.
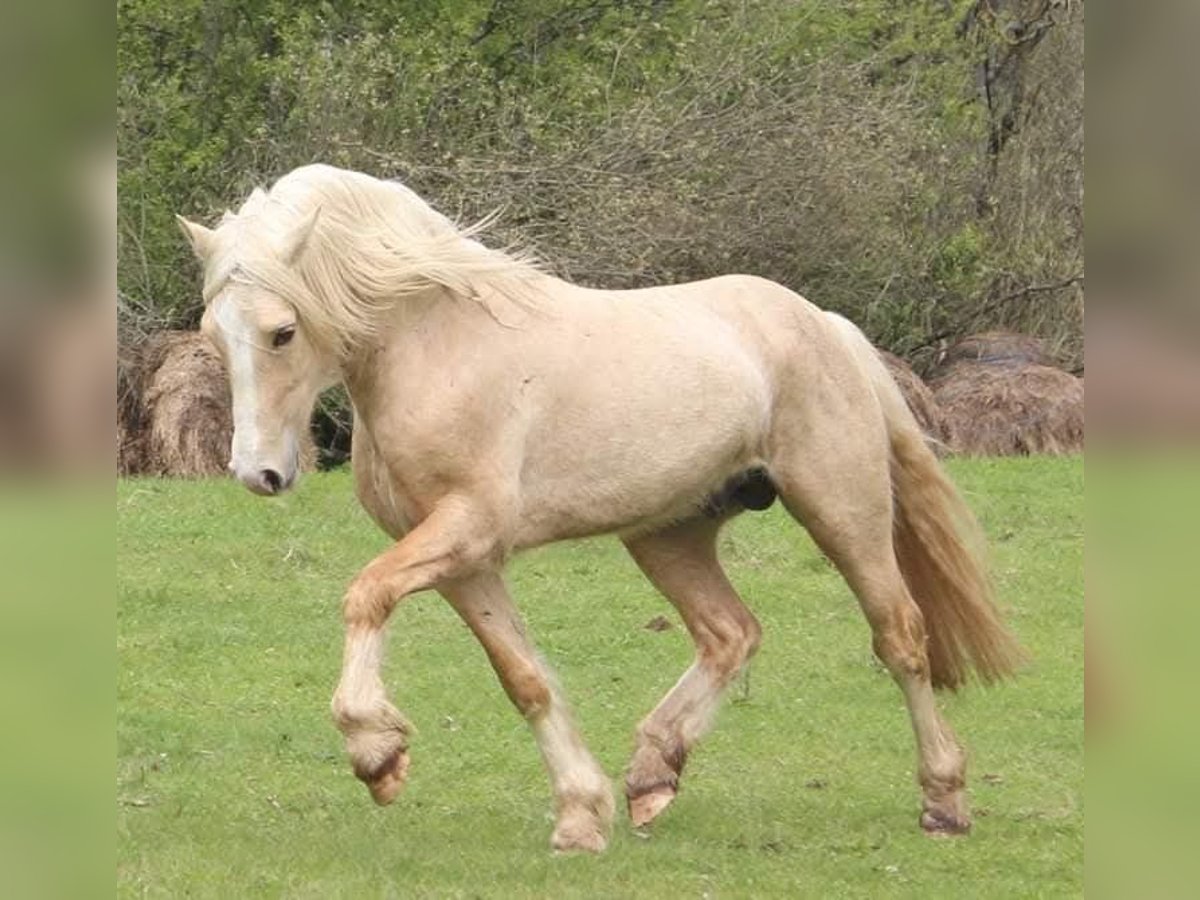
(128, 449)
(183, 419)
(1011, 410)
(129, 443)
(919, 397)
(995, 348)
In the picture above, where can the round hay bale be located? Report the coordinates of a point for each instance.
(186, 424)
(129, 444)
(919, 397)
(1011, 410)
(995, 348)
(128, 462)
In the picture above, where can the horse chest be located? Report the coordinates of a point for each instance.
(386, 498)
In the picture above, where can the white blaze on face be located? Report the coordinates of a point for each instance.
(238, 334)
(264, 453)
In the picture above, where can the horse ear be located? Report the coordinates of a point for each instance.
(295, 243)
(198, 236)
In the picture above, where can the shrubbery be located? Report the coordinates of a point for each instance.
(915, 166)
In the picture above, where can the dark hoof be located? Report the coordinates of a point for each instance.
(939, 824)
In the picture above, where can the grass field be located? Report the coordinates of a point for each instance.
(231, 780)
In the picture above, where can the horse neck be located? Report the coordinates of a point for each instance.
(366, 372)
(361, 369)
(369, 372)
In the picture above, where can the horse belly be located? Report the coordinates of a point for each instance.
(632, 460)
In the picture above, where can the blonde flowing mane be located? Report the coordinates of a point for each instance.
(342, 248)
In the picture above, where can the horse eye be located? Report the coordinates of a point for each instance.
(283, 336)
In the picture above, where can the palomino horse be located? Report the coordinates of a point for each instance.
(498, 408)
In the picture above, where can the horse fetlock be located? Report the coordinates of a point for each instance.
(370, 750)
(377, 744)
(354, 715)
(655, 764)
(585, 787)
(943, 773)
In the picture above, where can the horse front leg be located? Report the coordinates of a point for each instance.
(582, 793)
(452, 542)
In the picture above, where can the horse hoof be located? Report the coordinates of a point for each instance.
(388, 781)
(646, 807)
(579, 836)
(938, 824)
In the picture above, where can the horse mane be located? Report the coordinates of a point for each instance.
(343, 248)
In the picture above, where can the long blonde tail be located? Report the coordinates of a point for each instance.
(939, 546)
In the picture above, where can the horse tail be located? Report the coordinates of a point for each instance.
(938, 543)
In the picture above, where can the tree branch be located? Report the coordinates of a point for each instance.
(994, 305)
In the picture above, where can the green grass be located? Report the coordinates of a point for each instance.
(231, 780)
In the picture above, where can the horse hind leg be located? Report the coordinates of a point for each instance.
(843, 496)
(681, 562)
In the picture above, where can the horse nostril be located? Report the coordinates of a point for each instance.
(272, 479)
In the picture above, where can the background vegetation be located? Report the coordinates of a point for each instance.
(917, 166)
(231, 779)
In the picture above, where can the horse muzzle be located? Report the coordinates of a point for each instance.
(266, 482)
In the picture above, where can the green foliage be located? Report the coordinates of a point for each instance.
(957, 263)
(840, 148)
(231, 780)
